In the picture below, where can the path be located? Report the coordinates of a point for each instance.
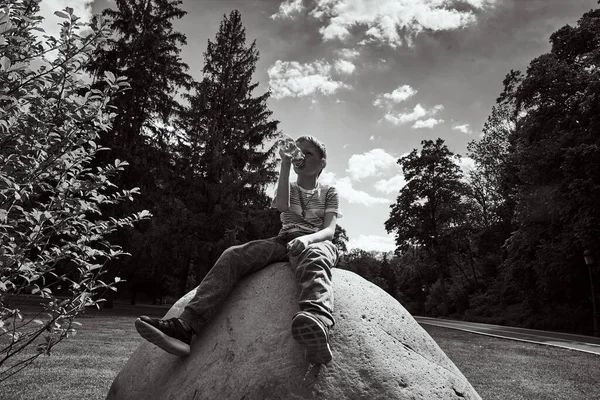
(588, 344)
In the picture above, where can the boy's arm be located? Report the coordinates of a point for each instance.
(282, 196)
(298, 244)
(326, 232)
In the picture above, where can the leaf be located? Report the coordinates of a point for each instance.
(18, 67)
(5, 64)
(110, 77)
(61, 14)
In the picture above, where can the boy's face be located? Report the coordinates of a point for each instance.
(313, 163)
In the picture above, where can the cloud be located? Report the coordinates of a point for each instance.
(292, 79)
(344, 67)
(371, 163)
(400, 94)
(428, 123)
(81, 8)
(466, 164)
(392, 185)
(347, 54)
(418, 112)
(287, 8)
(462, 128)
(347, 191)
(373, 243)
(390, 22)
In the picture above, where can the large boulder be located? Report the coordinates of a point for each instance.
(247, 352)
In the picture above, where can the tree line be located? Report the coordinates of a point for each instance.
(505, 242)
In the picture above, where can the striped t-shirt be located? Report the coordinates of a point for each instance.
(315, 203)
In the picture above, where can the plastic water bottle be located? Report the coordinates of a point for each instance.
(290, 149)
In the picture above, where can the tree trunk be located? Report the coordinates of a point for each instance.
(444, 296)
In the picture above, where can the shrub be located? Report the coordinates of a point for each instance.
(52, 231)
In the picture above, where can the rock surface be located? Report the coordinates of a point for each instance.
(247, 352)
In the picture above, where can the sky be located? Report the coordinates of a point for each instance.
(373, 78)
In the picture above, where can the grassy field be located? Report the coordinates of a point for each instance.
(508, 369)
(84, 366)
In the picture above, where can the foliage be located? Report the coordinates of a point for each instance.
(429, 205)
(530, 206)
(557, 153)
(340, 239)
(224, 132)
(52, 233)
(146, 49)
(493, 178)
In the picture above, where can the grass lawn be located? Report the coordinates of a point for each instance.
(508, 369)
(83, 367)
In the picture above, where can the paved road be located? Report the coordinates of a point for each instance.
(588, 344)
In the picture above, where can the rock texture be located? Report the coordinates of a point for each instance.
(247, 352)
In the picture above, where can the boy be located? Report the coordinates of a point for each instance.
(309, 213)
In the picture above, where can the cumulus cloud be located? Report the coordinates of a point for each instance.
(400, 94)
(418, 112)
(347, 54)
(462, 128)
(427, 123)
(348, 192)
(392, 185)
(371, 163)
(390, 22)
(466, 164)
(287, 8)
(373, 243)
(344, 66)
(293, 79)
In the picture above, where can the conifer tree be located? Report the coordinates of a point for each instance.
(227, 129)
(146, 49)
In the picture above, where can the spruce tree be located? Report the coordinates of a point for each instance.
(146, 49)
(227, 130)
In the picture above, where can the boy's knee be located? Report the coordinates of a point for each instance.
(231, 250)
(324, 250)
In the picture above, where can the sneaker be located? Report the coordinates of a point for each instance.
(170, 335)
(310, 332)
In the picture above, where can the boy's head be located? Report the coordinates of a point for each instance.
(315, 154)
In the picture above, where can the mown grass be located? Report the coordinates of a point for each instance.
(83, 367)
(512, 370)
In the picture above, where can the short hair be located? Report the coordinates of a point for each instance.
(315, 142)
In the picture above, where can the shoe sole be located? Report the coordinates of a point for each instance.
(308, 332)
(156, 337)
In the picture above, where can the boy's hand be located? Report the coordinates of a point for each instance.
(298, 245)
(285, 157)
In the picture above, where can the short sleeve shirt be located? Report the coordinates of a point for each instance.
(308, 207)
